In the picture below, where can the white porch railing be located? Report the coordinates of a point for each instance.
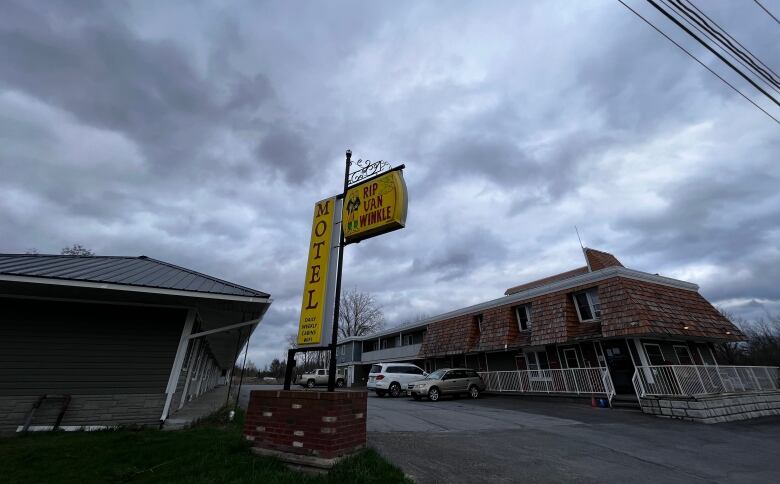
(577, 381)
(704, 380)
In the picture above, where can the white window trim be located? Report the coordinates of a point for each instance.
(687, 350)
(661, 350)
(587, 293)
(539, 374)
(576, 357)
(527, 309)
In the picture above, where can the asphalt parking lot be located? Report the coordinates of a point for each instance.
(513, 439)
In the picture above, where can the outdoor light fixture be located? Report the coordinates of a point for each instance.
(685, 327)
(728, 332)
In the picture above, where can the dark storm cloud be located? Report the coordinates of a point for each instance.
(202, 135)
(458, 255)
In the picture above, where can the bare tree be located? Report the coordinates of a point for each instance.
(77, 249)
(760, 347)
(359, 314)
(307, 361)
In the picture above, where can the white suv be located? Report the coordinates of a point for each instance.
(393, 378)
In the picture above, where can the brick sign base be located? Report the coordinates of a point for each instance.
(307, 428)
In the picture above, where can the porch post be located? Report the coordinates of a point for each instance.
(178, 361)
(643, 360)
(190, 364)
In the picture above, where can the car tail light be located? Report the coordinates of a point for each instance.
(380, 377)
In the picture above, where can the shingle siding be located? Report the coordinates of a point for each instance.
(629, 307)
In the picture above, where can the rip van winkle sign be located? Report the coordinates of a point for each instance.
(374, 202)
(375, 207)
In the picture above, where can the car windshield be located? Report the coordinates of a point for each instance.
(436, 375)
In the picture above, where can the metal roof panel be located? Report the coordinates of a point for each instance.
(134, 271)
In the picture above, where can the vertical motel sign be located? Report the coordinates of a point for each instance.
(374, 202)
(317, 307)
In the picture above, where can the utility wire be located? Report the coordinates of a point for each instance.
(776, 75)
(725, 43)
(723, 59)
(767, 11)
(768, 81)
(700, 62)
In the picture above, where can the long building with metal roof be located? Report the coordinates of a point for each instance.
(102, 341)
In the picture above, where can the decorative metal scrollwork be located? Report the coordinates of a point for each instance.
(366, 169)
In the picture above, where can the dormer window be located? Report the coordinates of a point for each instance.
(478, 322)
(587, 304)
(523, 315)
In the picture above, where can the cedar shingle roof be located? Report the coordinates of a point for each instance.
(632, 304)
(598, 260)
(546, 280)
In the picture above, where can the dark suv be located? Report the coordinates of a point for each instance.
(447, 381)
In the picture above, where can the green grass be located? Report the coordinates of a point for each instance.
(212, 452)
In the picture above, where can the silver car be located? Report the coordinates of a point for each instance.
(447, 381)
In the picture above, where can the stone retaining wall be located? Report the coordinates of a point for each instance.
(714, 408)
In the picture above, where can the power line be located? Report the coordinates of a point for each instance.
(767, 11)
(730, 51)
(735, 40)
(723, 59)
(724, 42)
(700, 62)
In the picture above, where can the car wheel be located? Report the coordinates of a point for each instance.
(433, 394)
(395, 390)
(474, 391)
(310, 383)
(340, 383)
(417, 397)
(380, 394)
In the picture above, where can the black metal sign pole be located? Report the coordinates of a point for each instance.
(337, 302)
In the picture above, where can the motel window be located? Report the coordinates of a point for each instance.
(654, 354)
(683, 354)
(587, 304)
(523, 314)
(478, 321)
(570, 356)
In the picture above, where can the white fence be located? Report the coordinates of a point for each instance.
(577, 381)
(704, 380)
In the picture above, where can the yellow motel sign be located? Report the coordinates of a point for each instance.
(317, 308)
(375, 207)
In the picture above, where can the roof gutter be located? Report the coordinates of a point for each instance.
(139, 289)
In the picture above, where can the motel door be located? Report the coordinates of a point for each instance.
(620, 366)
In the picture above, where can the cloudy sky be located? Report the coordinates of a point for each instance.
(202, 135)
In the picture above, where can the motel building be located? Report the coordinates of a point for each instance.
(601, 330)
(99, 342)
